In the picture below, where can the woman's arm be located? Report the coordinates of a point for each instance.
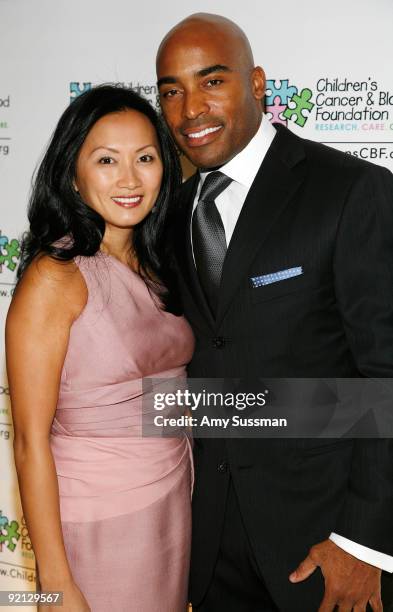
(49, 297)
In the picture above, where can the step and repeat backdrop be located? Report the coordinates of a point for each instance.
(330, 79)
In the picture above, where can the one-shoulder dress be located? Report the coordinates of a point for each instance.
(125, 498)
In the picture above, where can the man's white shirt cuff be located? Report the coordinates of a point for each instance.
(368, 555)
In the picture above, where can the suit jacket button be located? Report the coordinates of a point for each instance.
(222, 467)
(218, 342)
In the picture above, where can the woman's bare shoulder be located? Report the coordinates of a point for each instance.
(48, 284)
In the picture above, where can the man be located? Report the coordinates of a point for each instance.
(317, 224)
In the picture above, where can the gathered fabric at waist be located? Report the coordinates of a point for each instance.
(100, 478)
(117, 410)
(105, 465)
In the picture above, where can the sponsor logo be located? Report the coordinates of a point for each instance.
(14, 539)
(14, 535)
(9, 257)
(9, 253)
(285, 102)
(331, 100)
(146, 90)
(9, 533)
(76, 89)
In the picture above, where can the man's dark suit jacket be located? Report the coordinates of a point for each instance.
(332, 214)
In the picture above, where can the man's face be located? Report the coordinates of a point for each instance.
(211, 103)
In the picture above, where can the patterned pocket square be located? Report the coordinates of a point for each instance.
(274, 277)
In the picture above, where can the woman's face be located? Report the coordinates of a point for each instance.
(119, 168)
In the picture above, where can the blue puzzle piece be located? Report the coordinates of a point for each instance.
(283, 91)
(3, 520)
(3, 240)
(76, 91)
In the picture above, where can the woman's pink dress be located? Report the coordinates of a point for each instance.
(124, 498)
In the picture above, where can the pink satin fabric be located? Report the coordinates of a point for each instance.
(124, 498)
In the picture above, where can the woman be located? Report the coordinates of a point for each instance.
(108, 511)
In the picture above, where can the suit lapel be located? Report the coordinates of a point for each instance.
(278, 179)
(184, 248)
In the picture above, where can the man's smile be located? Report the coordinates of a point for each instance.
(202, 135)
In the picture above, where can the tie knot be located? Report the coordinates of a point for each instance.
(214, 184)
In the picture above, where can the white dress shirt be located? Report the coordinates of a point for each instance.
(242, 169)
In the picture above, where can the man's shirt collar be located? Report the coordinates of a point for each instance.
(245, 165)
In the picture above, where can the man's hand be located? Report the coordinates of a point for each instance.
(350, 584)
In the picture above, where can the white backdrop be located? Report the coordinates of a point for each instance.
(335, 56)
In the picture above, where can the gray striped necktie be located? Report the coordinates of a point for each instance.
(208, 237)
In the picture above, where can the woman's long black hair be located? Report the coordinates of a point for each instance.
(56, 210)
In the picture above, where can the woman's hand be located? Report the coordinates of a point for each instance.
(73, 599)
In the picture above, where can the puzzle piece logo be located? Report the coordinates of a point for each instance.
(9, 533)
(3, 520)
(9, 253)
(283, 92)
(76, 90)
(284, 102)
(297, 105)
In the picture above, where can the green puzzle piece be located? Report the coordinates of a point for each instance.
(12, 251)
(12, 533)
(301, 102)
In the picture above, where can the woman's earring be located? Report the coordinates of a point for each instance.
(154, 210)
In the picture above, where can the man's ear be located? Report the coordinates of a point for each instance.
(258, 80)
